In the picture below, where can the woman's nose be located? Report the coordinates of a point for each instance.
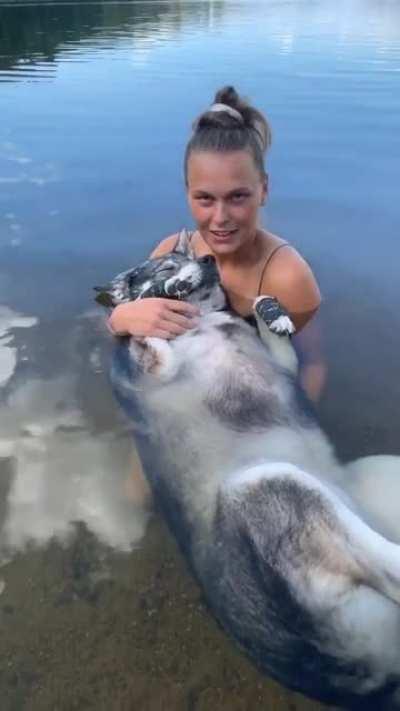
(220, 213)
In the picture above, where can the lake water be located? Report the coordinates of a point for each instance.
(96, 103)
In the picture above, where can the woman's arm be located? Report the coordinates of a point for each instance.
(165, 246)
(290, 279)
(161, 318)
(313, 370)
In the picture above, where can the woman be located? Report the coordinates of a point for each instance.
(226, 184)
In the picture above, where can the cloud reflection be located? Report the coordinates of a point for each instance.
(62, 471)
(8, 354)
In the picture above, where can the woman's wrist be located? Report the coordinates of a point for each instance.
(116, 329)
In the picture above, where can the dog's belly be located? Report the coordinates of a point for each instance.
(185, 419)
(193, 427)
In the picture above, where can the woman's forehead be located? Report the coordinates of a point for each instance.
(217, 169)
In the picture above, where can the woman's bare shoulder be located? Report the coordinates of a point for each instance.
(270, 240)
(165, 246)
(290, 279)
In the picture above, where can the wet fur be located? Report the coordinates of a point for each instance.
(252, 491)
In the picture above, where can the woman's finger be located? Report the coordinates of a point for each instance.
(162, 333)
(172, 328)
(180, 320)
(182, 307)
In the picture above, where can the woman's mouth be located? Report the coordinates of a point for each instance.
(223, 234)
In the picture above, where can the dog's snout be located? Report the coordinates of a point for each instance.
(207, 259)
(183, 284)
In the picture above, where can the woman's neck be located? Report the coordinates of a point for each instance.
(248, 254)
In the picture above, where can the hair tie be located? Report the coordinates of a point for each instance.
(260, 136)
(228, 110)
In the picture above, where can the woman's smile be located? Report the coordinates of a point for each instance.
(223, 234)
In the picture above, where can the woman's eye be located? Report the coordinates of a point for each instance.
(239, 197)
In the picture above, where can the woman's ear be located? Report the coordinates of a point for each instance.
(264, 193)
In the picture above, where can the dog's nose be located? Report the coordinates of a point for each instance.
(207, 259)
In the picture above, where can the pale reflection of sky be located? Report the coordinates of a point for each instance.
(345, 21)
(62, 471)
(8, 354)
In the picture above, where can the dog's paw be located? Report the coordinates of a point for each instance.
(154, 356)
(270, 311)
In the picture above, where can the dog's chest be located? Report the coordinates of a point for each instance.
(203, 349)
(222, 373)
(199, 360)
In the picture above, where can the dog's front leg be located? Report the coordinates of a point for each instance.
(275, 328)
(155, 356)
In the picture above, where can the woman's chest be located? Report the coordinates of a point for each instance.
(242, 287)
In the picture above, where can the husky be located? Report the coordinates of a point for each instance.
(252, 490)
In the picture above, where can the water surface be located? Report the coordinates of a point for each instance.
(96, 103)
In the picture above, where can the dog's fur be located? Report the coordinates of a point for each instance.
(251, 489)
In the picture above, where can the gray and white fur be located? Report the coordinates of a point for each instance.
(251, 488)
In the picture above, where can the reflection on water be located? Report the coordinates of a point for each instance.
(33, 36)
(63, 470)
(8, 354)
(96, 103)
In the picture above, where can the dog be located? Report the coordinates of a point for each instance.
(252, 490)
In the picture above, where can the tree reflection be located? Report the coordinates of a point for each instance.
(36, 32)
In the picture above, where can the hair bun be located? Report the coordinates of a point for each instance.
(251, 117)
(230, 124)
(228, 95)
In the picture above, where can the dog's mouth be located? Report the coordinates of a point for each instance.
(179, 289)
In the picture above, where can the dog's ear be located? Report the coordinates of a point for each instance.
(182, 242)
(103, 296)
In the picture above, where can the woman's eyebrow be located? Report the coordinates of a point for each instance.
(234, 191)
(238, 190)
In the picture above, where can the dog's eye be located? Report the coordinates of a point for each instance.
(165, 269)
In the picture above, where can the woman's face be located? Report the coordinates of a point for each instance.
(225, 191)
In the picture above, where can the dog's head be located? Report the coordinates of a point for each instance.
(172, 276)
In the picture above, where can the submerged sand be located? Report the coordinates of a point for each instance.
(86, 628)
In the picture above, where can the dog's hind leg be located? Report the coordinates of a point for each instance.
(330, 537)
(371, 559)
(378, 559)
(275, 328)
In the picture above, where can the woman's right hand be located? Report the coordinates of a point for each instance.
(153, 317)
